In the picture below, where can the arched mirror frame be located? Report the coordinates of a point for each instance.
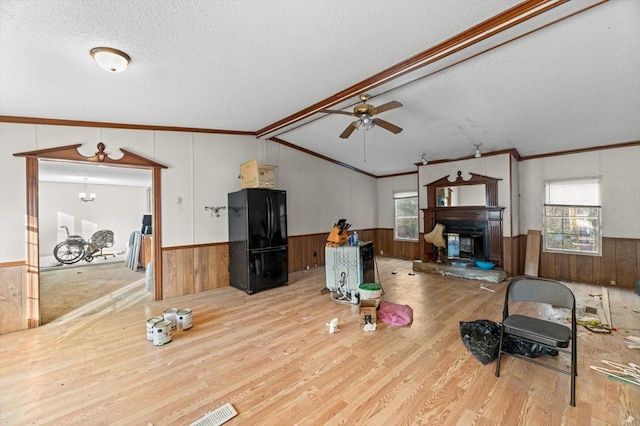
(70, 153)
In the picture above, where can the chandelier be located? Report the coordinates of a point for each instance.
(83, 195)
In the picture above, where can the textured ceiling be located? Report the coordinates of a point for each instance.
(243, 65)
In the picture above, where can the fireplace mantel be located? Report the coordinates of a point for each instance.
(490, 214)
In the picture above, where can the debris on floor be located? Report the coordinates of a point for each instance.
(482, 286)
(333, 326)
(629, 373)
(635, 342)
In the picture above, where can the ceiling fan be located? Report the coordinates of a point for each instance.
(364, 114)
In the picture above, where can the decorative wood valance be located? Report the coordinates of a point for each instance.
(70, 153)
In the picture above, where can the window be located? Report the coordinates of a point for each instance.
(406, 216)
(572, 216)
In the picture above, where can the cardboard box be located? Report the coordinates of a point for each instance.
(368, 310)
(254, 176)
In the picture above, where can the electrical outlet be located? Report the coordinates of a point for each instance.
(315, 254)
(381, 252)
(613, 282)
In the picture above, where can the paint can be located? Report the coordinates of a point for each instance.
(162, 333)
(150, 323)
(170, 315)
(184, 319)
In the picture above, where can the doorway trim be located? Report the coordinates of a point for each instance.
(70, 153)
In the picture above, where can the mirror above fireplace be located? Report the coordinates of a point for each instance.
(463, 195)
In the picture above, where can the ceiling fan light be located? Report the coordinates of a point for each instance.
(111, 60)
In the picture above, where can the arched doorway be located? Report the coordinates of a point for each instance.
(70, 153)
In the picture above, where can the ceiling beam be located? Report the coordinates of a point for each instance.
(501, 22)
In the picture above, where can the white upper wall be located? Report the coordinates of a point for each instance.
(386, 188)
(201, 170)
(620, 187)
(515, 196)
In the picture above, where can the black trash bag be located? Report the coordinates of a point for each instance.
(514, 345)
(482, 338)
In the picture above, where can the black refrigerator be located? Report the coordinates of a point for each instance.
(258, 254)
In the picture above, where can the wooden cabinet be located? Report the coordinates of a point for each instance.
(146, 253)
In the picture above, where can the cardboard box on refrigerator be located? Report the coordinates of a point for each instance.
(254, 176)
(368, 309)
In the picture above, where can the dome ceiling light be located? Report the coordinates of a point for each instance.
(111, 60)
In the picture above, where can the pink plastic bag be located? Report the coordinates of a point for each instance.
(395, 314)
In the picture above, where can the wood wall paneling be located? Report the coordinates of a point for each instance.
(608, 261)
(620, 263)
(511, 254)
(385, 243)
(189, 270)
(306, 251)
(184, 283)
(626, 267)
(194, 269)
(561, 267)
(31, 294)
(12, 282)
(169, 267)
(584, 268)
(211, 267)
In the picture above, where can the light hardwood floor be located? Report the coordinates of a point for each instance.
(271, 355)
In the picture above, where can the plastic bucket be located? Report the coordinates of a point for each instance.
(370, 291)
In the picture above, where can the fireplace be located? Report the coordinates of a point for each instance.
(475, 231)
(466, 240)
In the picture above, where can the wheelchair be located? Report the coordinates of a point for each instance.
(75, 248)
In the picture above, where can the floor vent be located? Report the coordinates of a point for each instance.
(217, 416)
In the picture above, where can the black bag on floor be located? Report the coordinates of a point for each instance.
(513, 345)
(482, 338)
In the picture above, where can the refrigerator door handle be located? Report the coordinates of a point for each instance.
(273, 217)
(269, 217)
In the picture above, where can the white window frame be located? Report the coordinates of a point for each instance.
(575, 205)
(401, 196)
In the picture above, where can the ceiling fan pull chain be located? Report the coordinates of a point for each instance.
(364, 145)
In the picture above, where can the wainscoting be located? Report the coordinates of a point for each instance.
(193, 269)
(13, 315)
(387, 246)
(619, 264)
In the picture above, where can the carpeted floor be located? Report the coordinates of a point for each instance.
(63, 290)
